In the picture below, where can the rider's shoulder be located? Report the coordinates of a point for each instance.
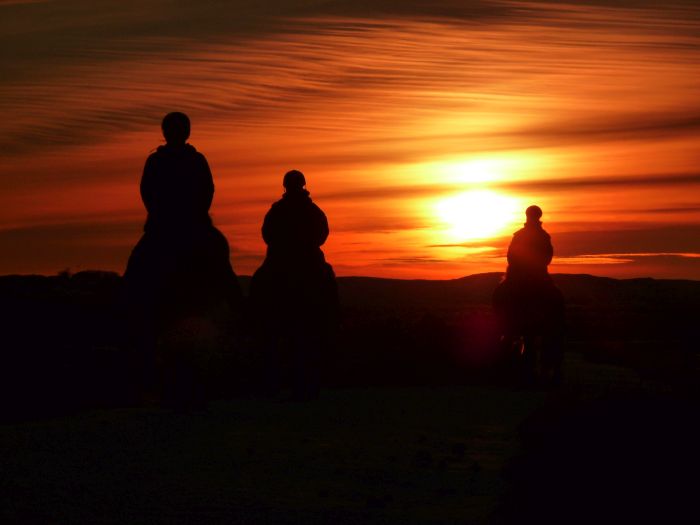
(317, 209)
(198, 155)
(278, 206)
(154, 155)
(520, 233)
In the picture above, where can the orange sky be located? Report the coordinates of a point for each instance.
(424, 128)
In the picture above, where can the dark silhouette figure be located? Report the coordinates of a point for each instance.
(530, 251)
(180, 268)
(294, 292)
(295, 228)
(177, 187)
(529, 306)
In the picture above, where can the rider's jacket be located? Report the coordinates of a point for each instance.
(530, 253)
(177, 189)
(294, 230)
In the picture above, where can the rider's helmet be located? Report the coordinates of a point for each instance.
(176, 127)
(294, 180)
(533, 213)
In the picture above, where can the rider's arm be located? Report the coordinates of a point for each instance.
(268, 227)
(511, 251)
(207, 185)
(549, 250)
(147, 185)
(323, 230)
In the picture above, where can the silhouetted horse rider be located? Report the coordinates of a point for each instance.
(527, 302)
(180, 267)
(294, 291)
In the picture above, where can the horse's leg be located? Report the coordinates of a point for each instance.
(305, 349)
(553, 341)
(528, 361)
(315, 346)
(552, 358)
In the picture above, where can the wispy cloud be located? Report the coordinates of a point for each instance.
(627, 181)
(617, 181)
(414, 65)
(354, 92)
(648, 239)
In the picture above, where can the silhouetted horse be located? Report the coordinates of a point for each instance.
(182, 291)
(293, 293)
(531, 322)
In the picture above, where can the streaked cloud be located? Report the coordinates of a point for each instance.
(368, 98)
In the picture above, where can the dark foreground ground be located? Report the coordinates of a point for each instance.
(355, 456)
(416, 421)
(604, 448)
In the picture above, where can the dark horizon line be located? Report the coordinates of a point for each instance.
(369, 277)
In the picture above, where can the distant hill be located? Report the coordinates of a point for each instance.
(87, 303)
(64, 338)
(628, 304)
(399, 296)
(476, 290)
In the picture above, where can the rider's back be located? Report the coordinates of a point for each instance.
(530, 253)
(176, 188)
(294, 230)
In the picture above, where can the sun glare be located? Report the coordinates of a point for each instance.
(477, 214)
(478, 170)
(473, 171)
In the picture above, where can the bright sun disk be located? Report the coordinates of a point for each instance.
(477, 214)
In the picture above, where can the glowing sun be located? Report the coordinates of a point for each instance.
(477, 214)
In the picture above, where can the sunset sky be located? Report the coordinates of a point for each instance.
(424, 128)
